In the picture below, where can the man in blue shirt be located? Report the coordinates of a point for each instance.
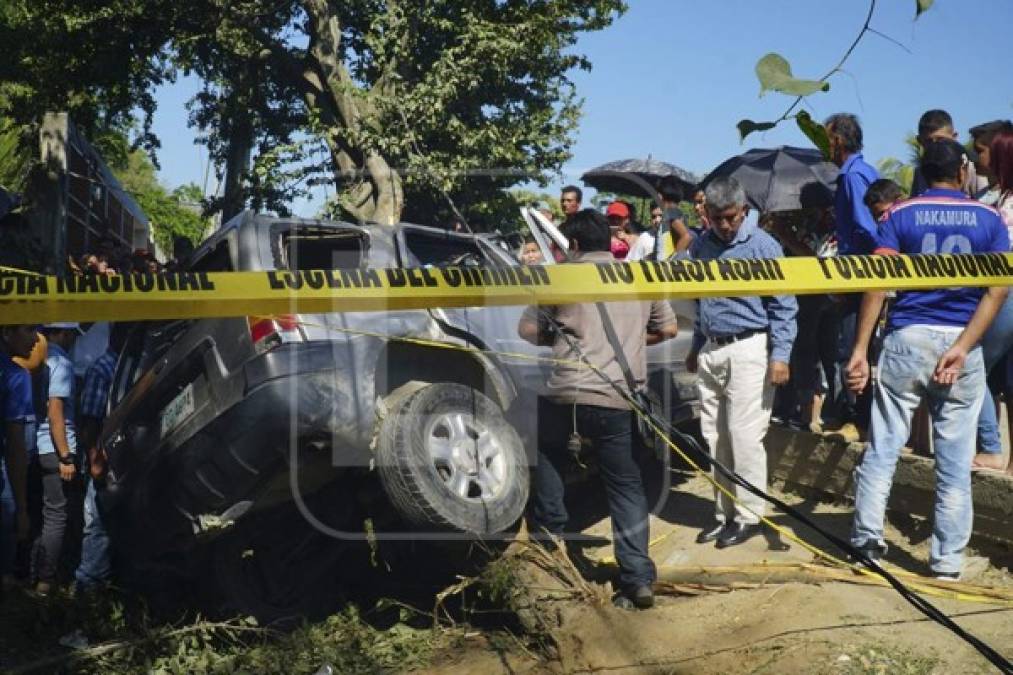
(741, 348)
(16, 410)
(931, 351)
(95, 567)
(856, 234)
(56, 464)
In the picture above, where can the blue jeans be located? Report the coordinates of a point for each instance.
(996, 343)
(94, 568)
(8, 538)
(8, 525)
(906, 365)
(611, 433)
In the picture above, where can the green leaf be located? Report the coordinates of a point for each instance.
(815, 131)
(922, 6)
(747, 127)
(774, 73)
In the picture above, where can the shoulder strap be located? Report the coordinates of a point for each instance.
(610, 335)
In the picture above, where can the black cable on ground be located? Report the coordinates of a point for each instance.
(920, 603)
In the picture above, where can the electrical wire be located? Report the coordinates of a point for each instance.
(919, 603)
(666, 431)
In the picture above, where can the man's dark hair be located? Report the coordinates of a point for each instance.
(942, 159)
(670, 189)
(932, 121)
(589, 229)
(574, 189)
(882, 190)
(846, 126)
(984, 133)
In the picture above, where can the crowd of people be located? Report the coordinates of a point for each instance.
(802, 362)
(109, 258)
(53, 392)
(54, 384)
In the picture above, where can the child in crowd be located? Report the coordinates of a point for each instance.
(882, 195)
(936, 125)
(530, 253)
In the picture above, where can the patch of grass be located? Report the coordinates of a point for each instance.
(122, 638)
(884, 660)
(343, 641)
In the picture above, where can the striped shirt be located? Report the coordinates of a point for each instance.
(721, 317)
(97, 383)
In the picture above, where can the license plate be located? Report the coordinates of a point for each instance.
(178, 410)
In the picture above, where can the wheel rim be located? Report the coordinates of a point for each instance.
(467, 456)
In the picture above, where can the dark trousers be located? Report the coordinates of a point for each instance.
(610, 432)
(815, 351)
(48, 545)
(846, 407)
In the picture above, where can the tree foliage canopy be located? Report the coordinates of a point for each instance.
(395, 103)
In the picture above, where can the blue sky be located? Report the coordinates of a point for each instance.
(672, 77)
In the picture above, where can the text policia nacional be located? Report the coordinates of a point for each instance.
(733, 275)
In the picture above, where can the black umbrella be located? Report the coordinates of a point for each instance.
(781, 179)
(640, 178)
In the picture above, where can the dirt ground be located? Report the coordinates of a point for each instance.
(833, 627)
(777, 628)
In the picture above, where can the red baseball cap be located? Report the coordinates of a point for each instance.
(617, 209)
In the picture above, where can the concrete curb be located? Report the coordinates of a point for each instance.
(825, 465)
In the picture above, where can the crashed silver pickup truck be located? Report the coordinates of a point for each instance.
(214, 421)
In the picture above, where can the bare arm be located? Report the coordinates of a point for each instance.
(58, 432)
(528, 330)
(58, 427)
(982, 317)
(857, 370)
(868, 316)
(87, 438)
(681, 236)
(664, 333)
(951, 363)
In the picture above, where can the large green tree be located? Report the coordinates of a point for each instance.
(99, 60)
(411, 102)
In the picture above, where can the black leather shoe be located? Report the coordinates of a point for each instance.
(737, 533)
(710, 534)
(641, 597)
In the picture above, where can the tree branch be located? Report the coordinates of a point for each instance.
(890, 39)
(865, 29)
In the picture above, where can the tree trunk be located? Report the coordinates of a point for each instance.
(372, 189)
(237, 160)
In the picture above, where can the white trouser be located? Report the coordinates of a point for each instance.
(735, 403)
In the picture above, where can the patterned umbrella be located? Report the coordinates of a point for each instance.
(639, 177)
(781, 179)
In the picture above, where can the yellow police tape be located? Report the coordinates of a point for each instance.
(25, 298)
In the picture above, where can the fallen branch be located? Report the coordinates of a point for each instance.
(807, 573)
